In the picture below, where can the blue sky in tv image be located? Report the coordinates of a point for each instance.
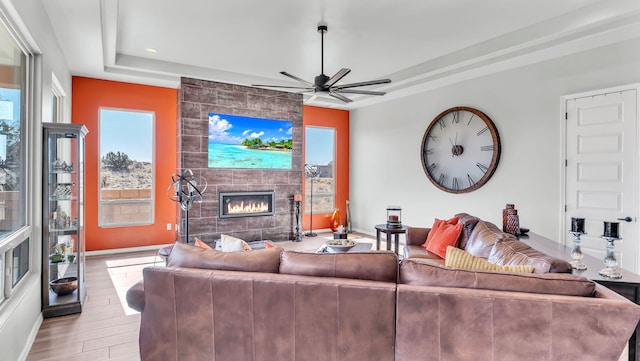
(247, 142)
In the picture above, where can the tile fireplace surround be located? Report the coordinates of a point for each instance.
(197, 98)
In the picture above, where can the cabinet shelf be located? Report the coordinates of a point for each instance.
(56, 199)
(63, 232)
(63, 219)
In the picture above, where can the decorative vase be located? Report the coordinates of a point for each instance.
(505, 213)
(336, 220)
(348, 220)
(513, 222)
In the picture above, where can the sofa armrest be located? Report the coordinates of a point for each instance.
(417, 235)
(135, 296)
(437, 316)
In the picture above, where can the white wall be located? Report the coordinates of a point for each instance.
(20, 316)
(525, 105)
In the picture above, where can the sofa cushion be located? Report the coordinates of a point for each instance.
(374, 266)
(484, 236)
(514, 252)
(458, 258)
(262, 260)
(417, 235)
(415, 251)
(445, 235)
(468, 224)
(423, 273)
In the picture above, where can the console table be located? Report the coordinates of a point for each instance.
(627, 286)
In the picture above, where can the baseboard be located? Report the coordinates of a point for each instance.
(126, 250)
(367, 232)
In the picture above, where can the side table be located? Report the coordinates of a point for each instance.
(395, 231)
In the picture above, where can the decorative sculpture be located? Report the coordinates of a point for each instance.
(311, 172)
(184, 190)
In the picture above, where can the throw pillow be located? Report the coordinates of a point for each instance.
(483, 237)
(233, 244)
(457, 258)
(446, 236)
(434, 229)
(468, 224)
(198, 243)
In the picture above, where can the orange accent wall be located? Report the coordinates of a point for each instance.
(339, 120)
(88, 96)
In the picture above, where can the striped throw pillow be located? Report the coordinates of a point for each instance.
(458, 258)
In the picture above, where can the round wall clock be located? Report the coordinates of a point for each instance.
(460, 150)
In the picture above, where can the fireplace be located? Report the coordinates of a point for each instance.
(246, 204)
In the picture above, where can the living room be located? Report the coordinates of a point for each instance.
(518, 80)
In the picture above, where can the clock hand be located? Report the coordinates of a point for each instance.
(456, 149)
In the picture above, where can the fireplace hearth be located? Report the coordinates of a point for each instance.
(246, 204)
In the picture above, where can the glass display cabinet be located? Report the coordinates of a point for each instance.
(63, 219)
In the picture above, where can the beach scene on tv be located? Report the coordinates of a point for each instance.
(246, 142)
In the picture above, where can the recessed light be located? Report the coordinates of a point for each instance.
(151, 50)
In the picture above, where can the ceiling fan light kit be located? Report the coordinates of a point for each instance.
(325, 84)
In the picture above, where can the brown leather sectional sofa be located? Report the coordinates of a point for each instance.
(279, 305)
(485, 240)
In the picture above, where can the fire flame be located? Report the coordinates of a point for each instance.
(250, 207)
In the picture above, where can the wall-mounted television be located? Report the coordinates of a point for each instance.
(246, 142)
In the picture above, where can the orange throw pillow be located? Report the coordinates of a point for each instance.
(446, 235)
(436, 225)
(434, 228)
(198, 243)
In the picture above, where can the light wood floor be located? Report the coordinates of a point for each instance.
(107, 329)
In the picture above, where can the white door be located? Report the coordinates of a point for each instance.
(601, 171)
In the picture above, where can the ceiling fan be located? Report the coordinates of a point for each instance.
(329, 85)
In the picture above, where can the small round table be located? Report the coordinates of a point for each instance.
(395, 231)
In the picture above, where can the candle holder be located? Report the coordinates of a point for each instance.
(576, 252)
(394, 217)
(297, 200)
(610, 270)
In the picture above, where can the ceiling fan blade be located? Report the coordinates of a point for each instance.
(339, 75)
(365, 92)
(340, 96)
(296, 78)
(311, 98)
(364, 83)
(306, 88)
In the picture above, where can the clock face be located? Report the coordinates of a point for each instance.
(460, 150)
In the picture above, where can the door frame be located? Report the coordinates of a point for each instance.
(564, 236)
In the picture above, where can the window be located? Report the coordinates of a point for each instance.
(57, 95)
(126, 168)
(320, 155)
(20, 261)
(15, 249)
